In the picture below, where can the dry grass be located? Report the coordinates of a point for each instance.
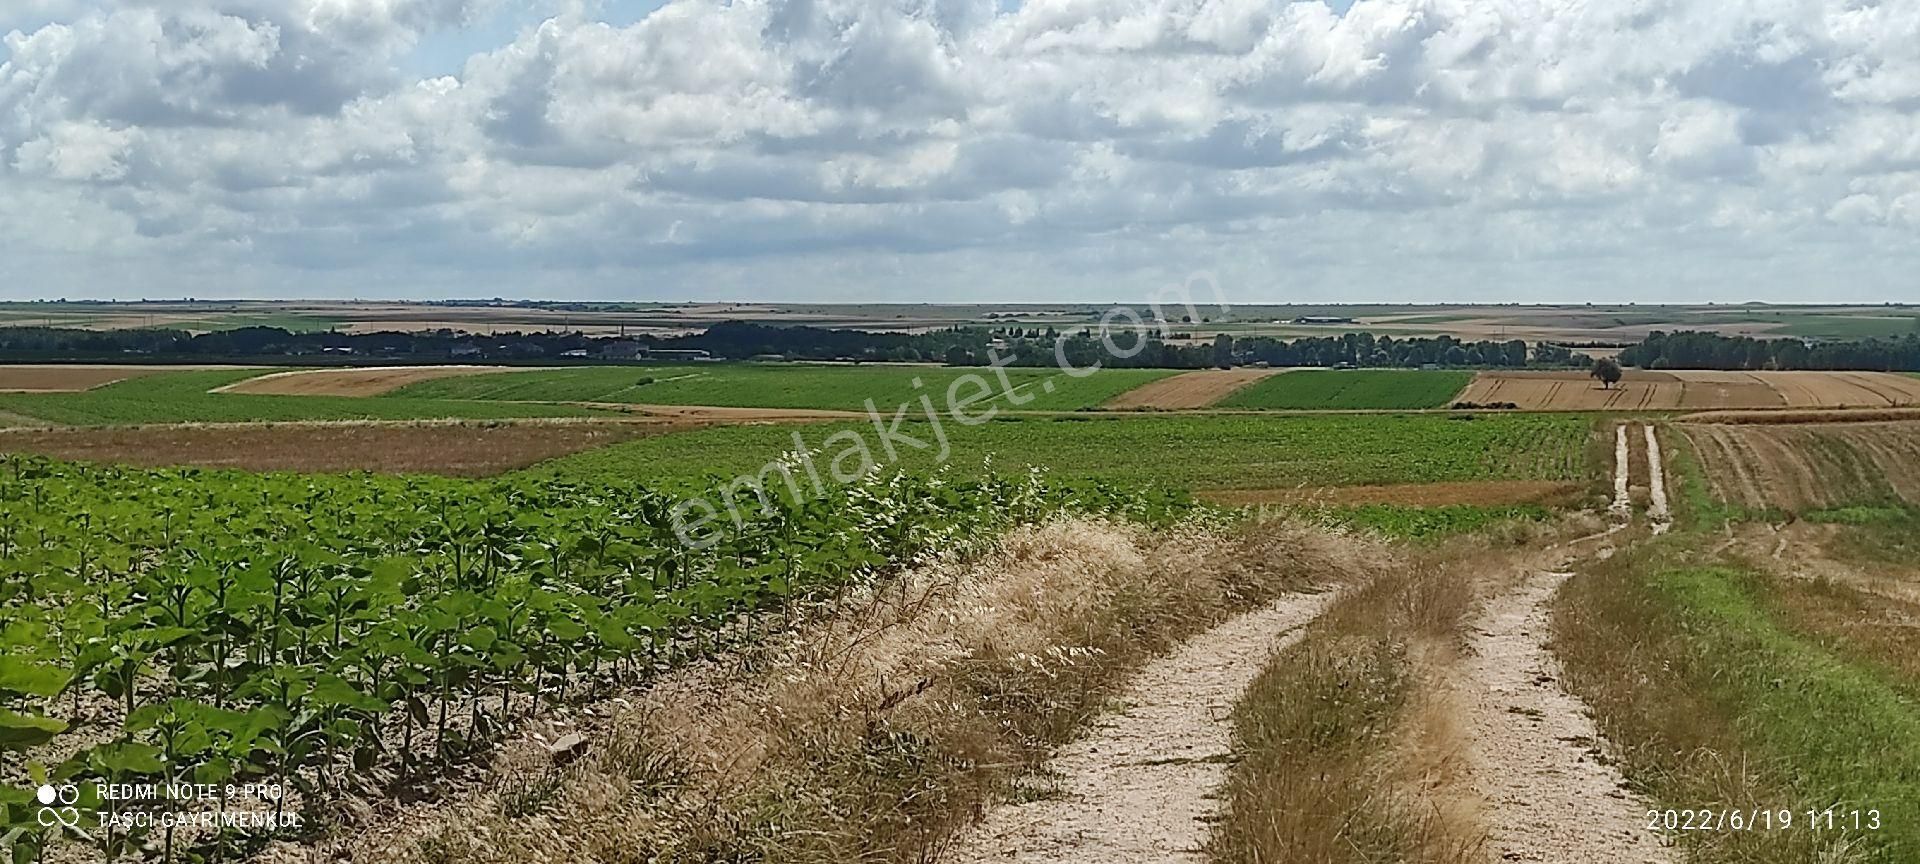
(1352, 752)
(876, 733)
(467, 448)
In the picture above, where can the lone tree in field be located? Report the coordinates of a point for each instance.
(1607, 370)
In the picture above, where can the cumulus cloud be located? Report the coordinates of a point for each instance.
(919, 149)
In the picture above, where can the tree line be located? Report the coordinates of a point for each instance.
(1698, 350)
(741, 340)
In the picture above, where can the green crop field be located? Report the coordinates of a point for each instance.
(1194, 452)
(1326, 389)
(183, 397)
(263, 627)
(784, 386)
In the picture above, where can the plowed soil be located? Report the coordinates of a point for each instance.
(371, 381)
(1190, 390)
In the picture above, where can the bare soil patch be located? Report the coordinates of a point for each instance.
(1188, 390)
(55, 378)
(466, 449)
(1486, 493)
(370, 381)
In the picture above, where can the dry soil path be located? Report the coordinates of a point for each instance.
(1534, 754)
(1657, 506)
(1139, 789)
(1622, 507)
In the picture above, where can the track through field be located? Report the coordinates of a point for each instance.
(1140, 789)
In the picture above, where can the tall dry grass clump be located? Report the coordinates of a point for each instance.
(875, 734)
(1348, 749)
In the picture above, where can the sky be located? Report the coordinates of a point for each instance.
(962, 150)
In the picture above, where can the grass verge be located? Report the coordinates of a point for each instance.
(1715, 703)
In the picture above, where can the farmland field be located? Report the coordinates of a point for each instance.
(1196, 452)
(1808, 466)
(358, 381)
(784, 386)
(1322, 389)
(304, 630)
(1643, 390)
(72, 379)
(454, 448)
(1202, 389)
(183, 397)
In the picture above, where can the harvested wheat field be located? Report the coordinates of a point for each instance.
(370, 381)
(1640, 390)
(1189, 390)
(1805, 466)
(1491, 493)
(1843, 389)
(1643, 390)
(462, 449)
(76, 378)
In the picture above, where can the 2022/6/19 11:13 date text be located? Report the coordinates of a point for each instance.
(1763, 819)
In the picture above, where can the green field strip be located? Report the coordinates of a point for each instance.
(1328, 389)
(1227, 451)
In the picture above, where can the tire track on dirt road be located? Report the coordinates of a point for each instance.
(1140, 788)
(1622, 507)
(1534, 755)
(1657, 505)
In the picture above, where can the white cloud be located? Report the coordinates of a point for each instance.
(1403, 149)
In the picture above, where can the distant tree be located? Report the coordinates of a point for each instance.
(1607, 370)
(958, 356)
(1223, 351)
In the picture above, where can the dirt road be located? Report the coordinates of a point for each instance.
(1534, 756)
(1139, 789)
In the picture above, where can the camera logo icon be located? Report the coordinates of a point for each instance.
(56, 806)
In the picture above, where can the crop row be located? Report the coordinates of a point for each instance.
(340, 634)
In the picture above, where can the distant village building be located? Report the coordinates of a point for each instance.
(676, 354)
(1322, 319)
(620, 349)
